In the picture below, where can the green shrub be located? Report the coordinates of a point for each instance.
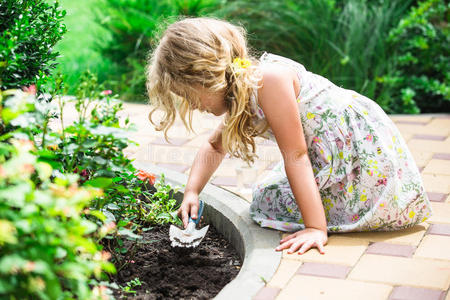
(419, 79)
(28, 32)
(132, 25)
(48, 249)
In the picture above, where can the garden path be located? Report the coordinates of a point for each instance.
(408, 264)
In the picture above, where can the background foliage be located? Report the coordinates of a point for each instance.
(418, 79)
(357, 44)
(133, 26)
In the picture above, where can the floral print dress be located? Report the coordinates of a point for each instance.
(366, 175)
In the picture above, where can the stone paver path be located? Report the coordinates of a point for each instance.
(410, 264)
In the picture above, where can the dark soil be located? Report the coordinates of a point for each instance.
(179, 273)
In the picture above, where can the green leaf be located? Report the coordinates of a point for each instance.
(99, 182)
(15, 194)
(89, 226)
(10, 263)
(44, 170)
(98, 214)
(129, 233)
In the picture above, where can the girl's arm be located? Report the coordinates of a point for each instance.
(206, 162)
(278, 100)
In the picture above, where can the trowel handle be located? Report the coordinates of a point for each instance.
(199, 214)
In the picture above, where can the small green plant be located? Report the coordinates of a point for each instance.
(28, 31)
(130, 285)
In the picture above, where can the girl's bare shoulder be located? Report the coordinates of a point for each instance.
(274, 77)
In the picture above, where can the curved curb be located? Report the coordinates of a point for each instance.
(254, 244)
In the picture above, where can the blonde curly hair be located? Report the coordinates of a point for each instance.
(200, 52)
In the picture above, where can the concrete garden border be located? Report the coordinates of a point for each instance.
(229, 215)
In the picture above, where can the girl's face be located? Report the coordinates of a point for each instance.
(213, 103)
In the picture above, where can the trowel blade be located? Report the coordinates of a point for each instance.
(185, 238)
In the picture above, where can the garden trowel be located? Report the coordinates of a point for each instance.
(189, 237)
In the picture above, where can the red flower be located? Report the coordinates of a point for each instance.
(30, 89)
(106, 92)
(144, 176)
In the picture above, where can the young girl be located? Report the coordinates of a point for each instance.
(345, 165)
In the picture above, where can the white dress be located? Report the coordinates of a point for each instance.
(366, 175)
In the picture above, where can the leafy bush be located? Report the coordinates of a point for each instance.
(133, 25)
(28, 31)
(48, 249)
(419, 80)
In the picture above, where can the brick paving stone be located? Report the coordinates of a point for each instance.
(437, 197)
(284, 273)
(267, 293)
(434, 247)
(438, 127)
(441, 213)
(429, 137)
(224, 180)
(417, 272)
(339, 250)
(268, 154)
(418, 118)
(412, 293)
(439, 229)
(438, 166)
(391, 249)
(419, 123)
(173, 141)
(442, 116)
(175, 167)
(413, 129)
(443, 156)
(428, 146)
(165, 154)
(421, 158)
(323, 270)
(410, 236)
(197, 141)
(436, 183)
(312, 287)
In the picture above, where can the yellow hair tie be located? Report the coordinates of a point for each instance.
(240, 63)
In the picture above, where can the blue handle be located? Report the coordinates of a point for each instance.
(199, 214)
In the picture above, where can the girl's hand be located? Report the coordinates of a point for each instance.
(306, 239)
(189, 207)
